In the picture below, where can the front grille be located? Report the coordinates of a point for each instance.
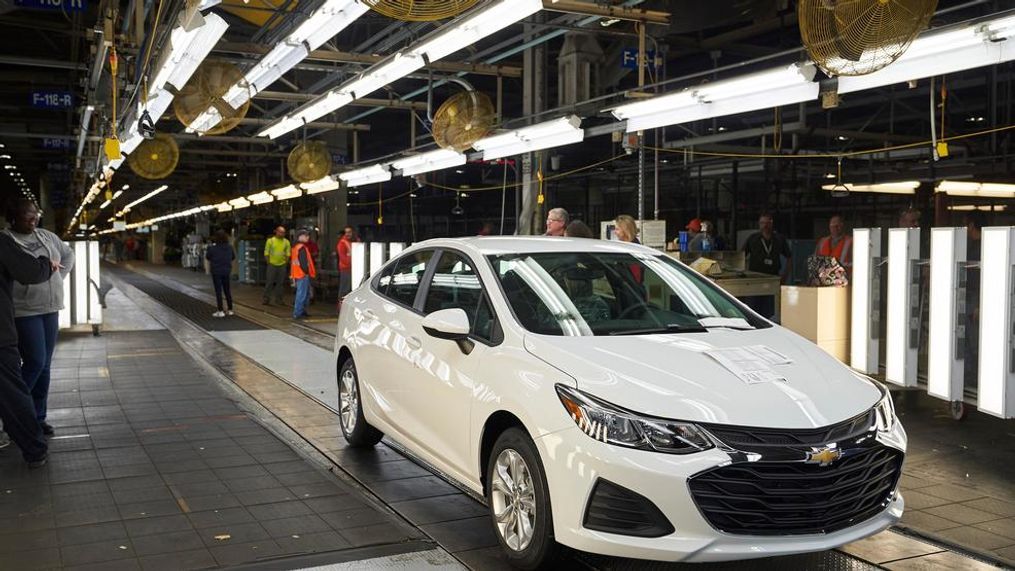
(616, 509)
(785, 498)
(752, 439)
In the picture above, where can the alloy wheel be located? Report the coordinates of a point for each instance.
(514, 500)
(348, 401)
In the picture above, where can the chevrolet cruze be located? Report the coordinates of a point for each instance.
(604, 396)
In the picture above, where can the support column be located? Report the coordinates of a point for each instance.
(533, 101)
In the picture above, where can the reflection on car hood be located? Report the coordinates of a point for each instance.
(672, 376)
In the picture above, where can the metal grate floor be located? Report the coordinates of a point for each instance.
(199, 312)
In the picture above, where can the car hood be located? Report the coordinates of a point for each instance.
(673, 376)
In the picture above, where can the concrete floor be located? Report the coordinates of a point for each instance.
(225, 369)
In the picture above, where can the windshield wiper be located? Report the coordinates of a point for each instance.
(668, 328)
(728, 322)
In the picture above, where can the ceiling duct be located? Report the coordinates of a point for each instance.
(696, 15)
(578, 69)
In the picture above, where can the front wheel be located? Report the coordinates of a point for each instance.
(358, 433)
(519, 501)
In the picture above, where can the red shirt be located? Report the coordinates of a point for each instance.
(344, 249)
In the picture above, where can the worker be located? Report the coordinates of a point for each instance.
(837, 244)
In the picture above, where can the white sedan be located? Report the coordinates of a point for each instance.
(606, 397)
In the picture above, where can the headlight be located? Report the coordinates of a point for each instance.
(612, 425)
(885, 412)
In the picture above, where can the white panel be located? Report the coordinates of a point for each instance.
(395, 248)
(94, 307)
(65, 313)
(376, 257)
(900, 357)
(997, 380)
(864, 341)
(944, 362)
(79, 302)
(359, 263)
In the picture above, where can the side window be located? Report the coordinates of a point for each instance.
(456, 285)
(400, 281)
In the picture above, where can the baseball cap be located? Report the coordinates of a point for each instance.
(694, 225)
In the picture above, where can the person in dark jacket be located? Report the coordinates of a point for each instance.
(220, 256)
(17, 409)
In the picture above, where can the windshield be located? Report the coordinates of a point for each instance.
(581, 294)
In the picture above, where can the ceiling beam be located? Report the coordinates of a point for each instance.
(613, 12)
(365, 102)
(369, 59)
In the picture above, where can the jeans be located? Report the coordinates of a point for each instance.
(16, 408)
(275, 282)
(221, 283)
(302, 297)
(36, 342)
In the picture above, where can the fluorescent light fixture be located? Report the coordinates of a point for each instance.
(904, 187)
(944, 361)
(996, 390)
(86, 118)
(771, 88)
(223, 207)
(460, 33)
(205, 121)
(556, 133)
(977, 189)
(238, 203)
(325, 184)
(474, 26)
(900, 355)
(359, 266)
(367, 175)
(943, 51)
(187, 48)
(142, 199)
(428, 162)
(325, 22)
(117, 194)
(980, 207)
(287, 192)
(105, 204)
(261, 198)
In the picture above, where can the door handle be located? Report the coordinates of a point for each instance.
(369, 313)
(413, 342)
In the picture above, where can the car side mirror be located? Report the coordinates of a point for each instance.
(451, 324)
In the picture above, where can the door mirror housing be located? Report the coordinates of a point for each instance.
(451, 324)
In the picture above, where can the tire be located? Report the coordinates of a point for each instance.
(357, 431)
(540, 550)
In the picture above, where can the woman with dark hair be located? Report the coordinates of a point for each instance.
(37, 307)
(220, 258)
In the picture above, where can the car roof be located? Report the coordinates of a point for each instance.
(498, 245)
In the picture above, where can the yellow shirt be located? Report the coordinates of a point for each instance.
(277, 250)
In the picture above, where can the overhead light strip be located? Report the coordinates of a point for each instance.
(458, 34)
(555, 133)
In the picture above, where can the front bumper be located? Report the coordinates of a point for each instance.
(574, 463)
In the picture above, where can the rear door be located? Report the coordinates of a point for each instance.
(390, 330)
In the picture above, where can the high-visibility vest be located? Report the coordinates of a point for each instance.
(840, 251)
(295, 271)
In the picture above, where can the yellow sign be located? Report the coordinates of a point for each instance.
(112, 147)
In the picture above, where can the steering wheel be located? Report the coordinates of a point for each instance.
(630, 309)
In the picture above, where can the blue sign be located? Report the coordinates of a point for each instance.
(630, 58)
(339, 158)
(53, 143)
(52, 99)
(56, 5)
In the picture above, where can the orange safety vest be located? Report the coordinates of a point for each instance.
(840, 251)
(295, 271)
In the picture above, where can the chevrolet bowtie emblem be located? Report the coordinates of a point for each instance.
(823, 456)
